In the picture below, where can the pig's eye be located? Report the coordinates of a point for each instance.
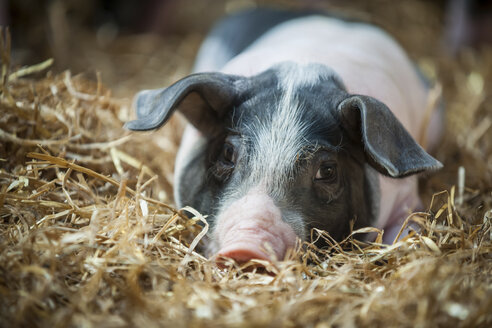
(327, 172)
(228, 154)
(226, 161)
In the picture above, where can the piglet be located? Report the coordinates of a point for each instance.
(296, 121)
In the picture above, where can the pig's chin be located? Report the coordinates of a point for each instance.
(252, 228)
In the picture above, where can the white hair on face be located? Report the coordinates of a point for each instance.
(292, 75)
(279, 140)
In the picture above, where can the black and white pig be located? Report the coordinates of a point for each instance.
(297, 121)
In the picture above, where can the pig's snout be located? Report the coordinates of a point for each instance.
(251, 228)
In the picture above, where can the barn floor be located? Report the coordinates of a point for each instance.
(89, 236)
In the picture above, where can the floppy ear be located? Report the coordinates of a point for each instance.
(388, 146)
(203, 99)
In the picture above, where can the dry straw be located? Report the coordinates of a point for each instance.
(87, 237)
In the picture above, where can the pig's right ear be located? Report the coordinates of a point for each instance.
(203, 99)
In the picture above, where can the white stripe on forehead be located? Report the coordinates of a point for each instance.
(292, 75)
(278, 141)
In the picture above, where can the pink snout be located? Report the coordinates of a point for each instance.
(252, 228)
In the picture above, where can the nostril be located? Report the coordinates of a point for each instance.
(241, 255)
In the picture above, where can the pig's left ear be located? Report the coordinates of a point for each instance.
(203, 99)
(388, 146)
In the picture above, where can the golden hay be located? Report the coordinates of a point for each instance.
(87, 237)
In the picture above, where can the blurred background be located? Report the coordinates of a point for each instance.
(135, 45)
(137, 42)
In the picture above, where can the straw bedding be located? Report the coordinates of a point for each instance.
(89, 236)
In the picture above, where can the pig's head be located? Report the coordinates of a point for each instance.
(281, 153)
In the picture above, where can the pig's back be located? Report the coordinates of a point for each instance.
(234, 33)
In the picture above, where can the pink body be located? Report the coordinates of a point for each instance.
(370, 63)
